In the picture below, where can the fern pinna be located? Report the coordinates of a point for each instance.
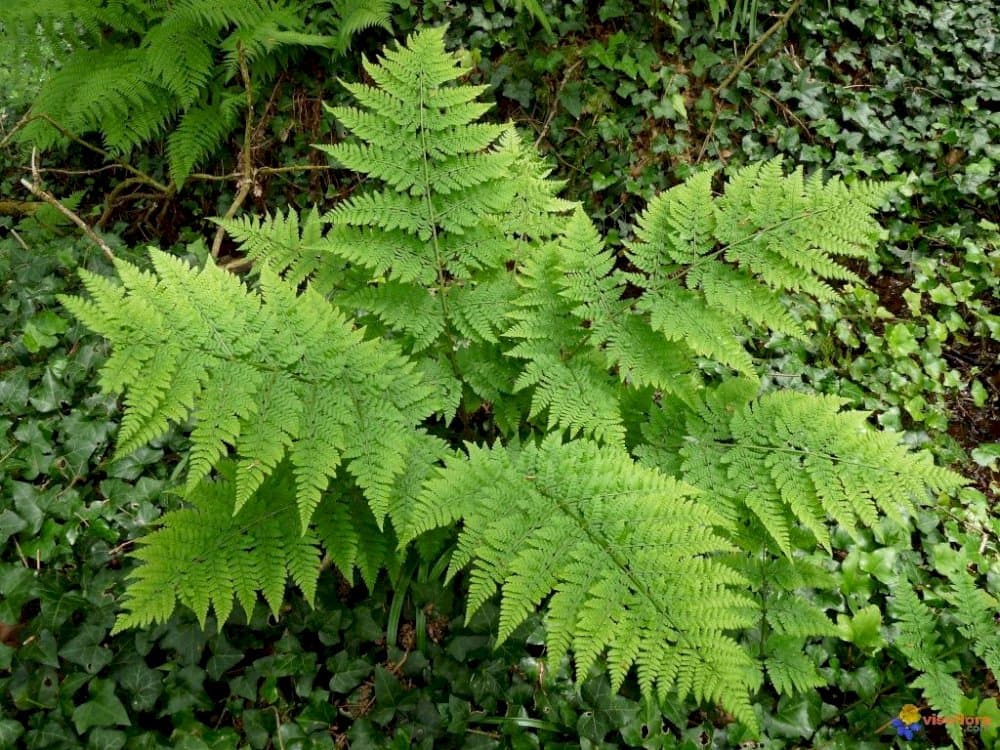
(665, 513)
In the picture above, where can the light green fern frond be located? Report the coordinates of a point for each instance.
(789, 668)
(458, 203)
(570, 380)
(270, 375)
(713, 267)
(211, 551)
(794, 461)
(626, 554)
(282, 242)
(205, 556)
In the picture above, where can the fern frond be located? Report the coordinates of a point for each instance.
(577, 392)
(134, 67)
(178, 52)
(917, 638)
(711, 267)
(268, 375)
(205, 556)
(355, 16)
(216, 548)
(976, 611)
(796, 460)
(283, 242)
(351, 536)
(625, 552)
(787, 230)
(789, 669)
(101, 90)
(458, 199)
(199, 133)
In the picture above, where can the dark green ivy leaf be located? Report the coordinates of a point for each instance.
(390, 697)
(102, 710)
(10, 730)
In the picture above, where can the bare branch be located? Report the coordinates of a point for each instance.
(35, 188)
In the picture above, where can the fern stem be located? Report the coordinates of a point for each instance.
(797, 451)
(247, 176)
(753, 235)
(435, 243)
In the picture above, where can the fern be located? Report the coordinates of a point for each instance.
(667, 516)
(205, 555)
(143, 70)
(442, 223)
(198, 134)
(732, 253)
(356, 16)
(211, 551)
(428, 257)
(976, 611)
(577, 392)
(767, 232)
(918, 640)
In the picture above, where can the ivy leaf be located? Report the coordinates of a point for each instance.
(107, 739)
(347, 673)
(82, 438)
(224, 657)
(605, 710)
(141, 683)
(49, 394)
(102, 710)
(797, 716)
(390, 697)
(10, 730)
(42, 331)
(986, 454)
(17, 586)
(36, 450)
(10, 524)
(85, 650)
(864, 630)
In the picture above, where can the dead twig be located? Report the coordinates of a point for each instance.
(555, 102)
(755, 47)
(739, 67)
(20, 241)
(35, 188)
(89, 146)
(788, 112)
